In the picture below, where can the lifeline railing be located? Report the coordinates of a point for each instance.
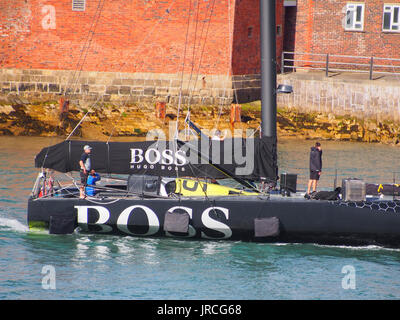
(339, 63)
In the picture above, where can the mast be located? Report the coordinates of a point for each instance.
(268, 67)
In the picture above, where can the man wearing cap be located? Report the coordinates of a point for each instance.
(85, 166)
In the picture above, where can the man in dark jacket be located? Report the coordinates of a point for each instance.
(315, 168)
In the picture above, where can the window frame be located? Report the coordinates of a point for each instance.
(354, 13)
(392, 7)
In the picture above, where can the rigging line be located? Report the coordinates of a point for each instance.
(47, 153)
(201, 36)
(194, 43)
(86, 44)
(85, 49)
(71, 79)
(202, 52)
(231, 55)
(230, 36)
(183, 70)
(148, 34)
(176, 135)
(83, 118)
(201, 186)
(70, 83)
(89, 44)
(119, 118)
(219, 168)
(102, 202)
(200, 59)
(205, 22)
(190, 91)
(193, 89)
(205, 40)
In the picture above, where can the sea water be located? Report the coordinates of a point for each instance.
(80, 266)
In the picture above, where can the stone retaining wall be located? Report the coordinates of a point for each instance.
(87, 87)
(364, 99)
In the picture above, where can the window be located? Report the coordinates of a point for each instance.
(250, 32)
(391, 18)
(290, 3)
(354, 16)
(278, 30)
(78, 5)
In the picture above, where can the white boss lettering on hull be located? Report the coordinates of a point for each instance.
(104, 216)
(153, 221)
(154, 224)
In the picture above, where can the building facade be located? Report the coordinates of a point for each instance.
(133, 50)
(361, 36)
(363, 29)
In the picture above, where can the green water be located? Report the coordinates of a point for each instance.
(112, 267)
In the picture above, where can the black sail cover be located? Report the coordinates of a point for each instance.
(247, 158)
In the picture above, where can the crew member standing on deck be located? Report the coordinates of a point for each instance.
(315, 168)
(85, 166)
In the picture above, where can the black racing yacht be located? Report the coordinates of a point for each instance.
(176, 188)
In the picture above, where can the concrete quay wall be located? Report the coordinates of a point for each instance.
(342, 95)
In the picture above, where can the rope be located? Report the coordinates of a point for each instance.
(86, 46)
(183, 70)
(194, 45)
(79, 123)
(230, 31)
(148, 34)
(202, 51)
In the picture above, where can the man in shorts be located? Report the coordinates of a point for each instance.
(315, 168)
(86, 166)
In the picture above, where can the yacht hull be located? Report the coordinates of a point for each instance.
(226, 218)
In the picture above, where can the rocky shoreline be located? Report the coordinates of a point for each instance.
(44, 119)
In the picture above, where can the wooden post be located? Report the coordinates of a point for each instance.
(160, 110)
(64, 109)
(371, 68)
(327, 65)
(236, 110)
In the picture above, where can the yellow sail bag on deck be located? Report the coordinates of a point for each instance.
(192, 187)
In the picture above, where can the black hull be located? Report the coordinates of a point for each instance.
(300, 221)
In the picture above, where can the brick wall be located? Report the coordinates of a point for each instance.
(246, 64)
(129, 35)
(132, 36)
(320, 29)
(246, 42)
